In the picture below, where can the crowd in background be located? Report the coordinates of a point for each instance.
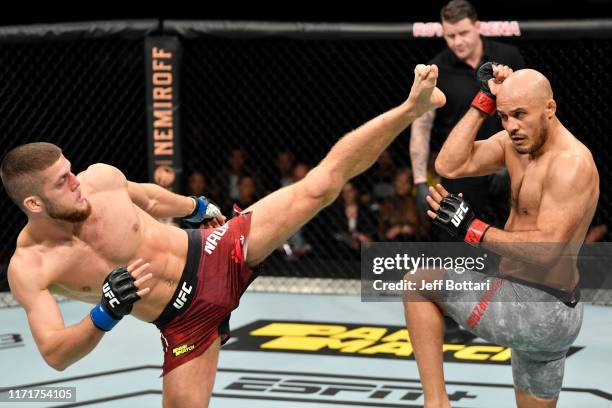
(387, 203)
(377, 206)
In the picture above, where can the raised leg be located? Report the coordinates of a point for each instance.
(279, 215)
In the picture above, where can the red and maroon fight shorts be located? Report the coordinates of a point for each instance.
(215, 277)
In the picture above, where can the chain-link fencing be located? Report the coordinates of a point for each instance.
(257, 112)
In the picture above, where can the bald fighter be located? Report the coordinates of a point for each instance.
(94, 236)
(532, 304)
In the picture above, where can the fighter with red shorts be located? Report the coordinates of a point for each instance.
(82, 226)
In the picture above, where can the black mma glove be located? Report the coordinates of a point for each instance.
(118, 296)
(457, 218)
(484, 100)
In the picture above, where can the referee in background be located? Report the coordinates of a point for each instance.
(457, 64)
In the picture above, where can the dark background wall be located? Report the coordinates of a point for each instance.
(383, 10)
(71, 70)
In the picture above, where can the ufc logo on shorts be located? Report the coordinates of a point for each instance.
(181, 299)
(458, 217)
(108, 293)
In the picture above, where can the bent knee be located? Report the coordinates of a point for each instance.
(322, 185)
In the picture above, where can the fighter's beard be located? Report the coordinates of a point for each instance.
(68, 215)
(542, 139)
(539, 142)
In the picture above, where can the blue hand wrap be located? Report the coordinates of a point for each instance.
(102, 319)
(199, 212)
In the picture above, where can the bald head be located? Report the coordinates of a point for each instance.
(525, 84)
(527, 109)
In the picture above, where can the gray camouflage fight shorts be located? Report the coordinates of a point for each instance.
(532, 320)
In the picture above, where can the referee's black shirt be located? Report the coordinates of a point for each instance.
(458, 82)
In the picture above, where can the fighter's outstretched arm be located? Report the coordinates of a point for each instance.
(160, 202)
(155, 200)
(59, 345)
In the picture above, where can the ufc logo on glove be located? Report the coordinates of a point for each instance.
(459, 215)
(108, 293)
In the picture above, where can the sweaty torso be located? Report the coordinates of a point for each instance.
(529, 177)
(115, 234)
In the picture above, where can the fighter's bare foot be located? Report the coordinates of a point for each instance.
(424, 95)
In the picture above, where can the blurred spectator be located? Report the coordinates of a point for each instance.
(197, 185)
(379, 180)
(399, 220)
(299, 172)
(297, 245)
(227, 182)
(283, 172)
(284, 162)
(353, 223)
(247, 193)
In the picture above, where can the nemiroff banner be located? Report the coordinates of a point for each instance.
(163, 56)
